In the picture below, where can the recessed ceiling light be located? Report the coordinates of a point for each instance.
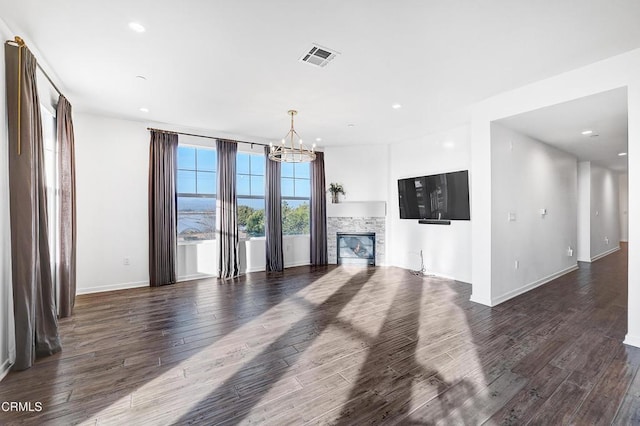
(449, 144)
(141, 77)
(137, 27)
(351, 125)
(622, 154)
(143, 109)
(396, 106)
(318, 139)
(587, 132)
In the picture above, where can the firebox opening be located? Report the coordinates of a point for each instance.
(356, 248)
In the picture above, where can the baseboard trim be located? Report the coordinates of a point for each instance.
(296, 264)
(4, 370)
(632, 340)
(112, 287)
(606, 253)
(528, 287)
(480, 300)
(446, 277)
(286, 265)
(195, 277)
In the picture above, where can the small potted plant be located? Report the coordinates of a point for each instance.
(335, 189)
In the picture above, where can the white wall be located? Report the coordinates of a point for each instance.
(584, 211)
(112, 166)
(446, 249)
(618, 71)
(528, 176)
(605, 219)
(7, 343)
(623, 185)
(598, 212)
(112, 195)
(362, 171)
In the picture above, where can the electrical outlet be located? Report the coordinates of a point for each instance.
(511, 217)
(570, 252)
(516, 264)
(606, 240)
(125, 261)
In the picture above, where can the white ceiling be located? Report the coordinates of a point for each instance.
(232, 66)
(605, 114)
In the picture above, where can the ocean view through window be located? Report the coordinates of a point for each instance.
(196, 191)
(196, 195)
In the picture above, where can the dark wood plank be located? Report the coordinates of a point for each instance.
(342, 346)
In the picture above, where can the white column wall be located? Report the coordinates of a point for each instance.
(584, 211)
(618, 71)
(623, 188)
(605, 218)
(633, 329)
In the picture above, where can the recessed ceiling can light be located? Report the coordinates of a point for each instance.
(622, 154)
(143, 109)
(351, 125)
(396, 106)
(587, 132)
(137, 27)
(318, 139)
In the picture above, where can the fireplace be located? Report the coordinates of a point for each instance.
(356, 248)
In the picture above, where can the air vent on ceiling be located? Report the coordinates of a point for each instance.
(319, 56)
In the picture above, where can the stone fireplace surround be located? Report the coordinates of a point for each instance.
(356, 216)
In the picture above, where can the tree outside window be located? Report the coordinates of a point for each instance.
(296, 193)
(250, 189)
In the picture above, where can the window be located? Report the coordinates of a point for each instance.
(51, 171)
(296, 192)
(196, 188)
(250, 188)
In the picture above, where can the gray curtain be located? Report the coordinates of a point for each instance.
(67, 162)
(227, 210)
(36, 324)
(163, 152)
(318, 212)
(273, 215)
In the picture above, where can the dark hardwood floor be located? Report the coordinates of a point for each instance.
(341, 346)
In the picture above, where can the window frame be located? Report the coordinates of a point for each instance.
(284, 198)
(196, 195)
(262, 157)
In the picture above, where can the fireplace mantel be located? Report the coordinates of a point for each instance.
(357, 216)
(357, 209)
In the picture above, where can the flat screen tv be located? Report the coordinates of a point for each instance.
(443, 196)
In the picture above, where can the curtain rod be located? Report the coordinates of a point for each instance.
(204, 136)
(20, 43)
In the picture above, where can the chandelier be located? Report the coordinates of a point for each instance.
(291, 149)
